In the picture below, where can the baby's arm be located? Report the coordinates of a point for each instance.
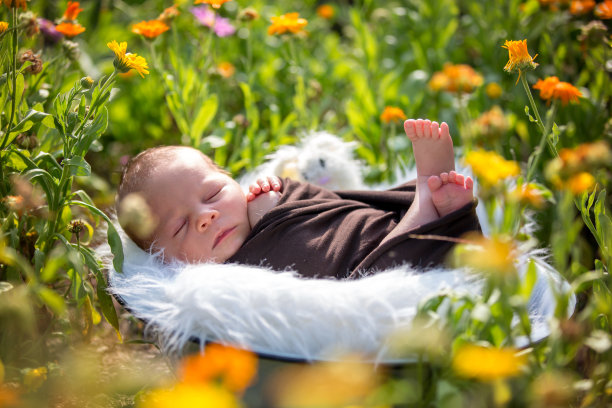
(263, 195)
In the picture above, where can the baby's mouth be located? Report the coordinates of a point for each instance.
(222, 236)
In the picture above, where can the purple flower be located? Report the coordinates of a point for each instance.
(204, 15)
(208, 18)
(47, 28)
(223, 28)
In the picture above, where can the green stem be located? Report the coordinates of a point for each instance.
(540, 148)
(532, 102)
(14, 81)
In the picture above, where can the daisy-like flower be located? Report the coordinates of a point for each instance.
(392, 114)
(579, 7)
(70, 30)
(518, 57)
(290, 22)
(126, 61)
(223, 28)
(604, 10)
(214, 3)
(460, 78)
(72, 11)
(15, 3)
(3, 26)
(551, 88)
(487, 364)
(150, 29)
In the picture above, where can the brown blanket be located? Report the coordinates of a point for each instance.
(322, 233)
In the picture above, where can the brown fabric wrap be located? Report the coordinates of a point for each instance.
(322, 233)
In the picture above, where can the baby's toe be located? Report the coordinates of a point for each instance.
(409, 128)
(434, 183)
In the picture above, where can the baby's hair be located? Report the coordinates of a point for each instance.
(138, 172)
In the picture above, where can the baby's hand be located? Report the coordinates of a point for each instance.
(263, 185)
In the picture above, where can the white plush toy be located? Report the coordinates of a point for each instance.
(319, 158)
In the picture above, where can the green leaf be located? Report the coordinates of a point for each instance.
(252, 113)
(205, 115)
(106, 303)
(531, 118)
(554, 137)
(31, 117)
(52, 299)
(528, 281)
(91, 131)
(78, 166)
(85, 197)
(112, 235)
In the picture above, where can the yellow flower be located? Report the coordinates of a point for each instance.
(190, 395)
(35, 377)
(3, 26)
(528, 194)
(70, 29)
(15, 3)
(235, 367)
(214, 3)
(456, 78)
(494, 255)
(487, 364)
(72, 11)
(392, 114)
(581, 182)
(604, 10)
(226, 69)
(290, 22)
(518, 57)
(490, 167)
(493, 90)
(150, 29)
(326, 11)
(124, 62)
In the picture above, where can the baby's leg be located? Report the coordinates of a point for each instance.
(433, 154)
(450, 191)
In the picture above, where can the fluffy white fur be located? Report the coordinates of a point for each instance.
(279, 313)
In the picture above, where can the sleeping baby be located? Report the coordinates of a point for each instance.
(204, 215)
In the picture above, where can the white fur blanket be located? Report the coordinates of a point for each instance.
(281, 314)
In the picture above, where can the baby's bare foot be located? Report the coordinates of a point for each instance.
(450, 191)
(432, 147)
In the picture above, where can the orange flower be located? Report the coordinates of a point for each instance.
(15, 3)
(551, 88)
(235, 367)
(518, 57)
(169, 14)
(72, 11)
(214, 3)
(604, 10)
(392, 114)
(456, 78)
(290, 22)
(3, 26)
(581, 182)
(578, 7)
(528, 194)
(226, 69)
(326, 11)
(150, 29)
(70, 29)
(546, 86)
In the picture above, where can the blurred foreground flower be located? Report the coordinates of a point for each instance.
(72, 11)
(290, 22)
(190, 395)
(15, 3)
(169, 14)
(221, 26)
(33, 378)
(552, 89)
(487, 364)
(518, 57)
(489, 127)
(150, 29)
(490, 167)
(214, 3)
(459, 78)
(573, 168)
(124, 62)
(70, 30)
(392, 114)
(339, 384)
(3, 26)
(235, 368)
(226, 69)
(552, 390)
(604, 10)
(493, 90)
(580, 183)
(326, 11)
(48, 30)
(493, 255)
(529, 194)
(136, 217)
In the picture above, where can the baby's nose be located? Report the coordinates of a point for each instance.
(206, 218)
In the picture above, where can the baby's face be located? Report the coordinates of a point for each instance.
(202, 212)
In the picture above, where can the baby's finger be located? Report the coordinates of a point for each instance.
(275, 183)
(250, 197)
(255, 188)
(265, 186)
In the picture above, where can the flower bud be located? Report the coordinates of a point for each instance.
(76, 226)
(71, 50)
(248, 14)
(87, 82)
